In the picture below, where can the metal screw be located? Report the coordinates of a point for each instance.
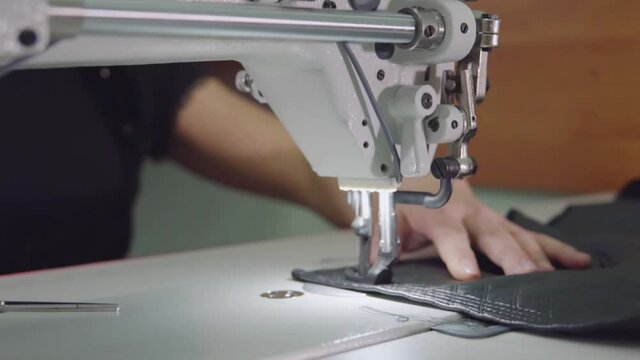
(464, 28)
(28, 37)
(429, 31)
(380, 75)
(454, 124)
(434, 125)
(427, 101)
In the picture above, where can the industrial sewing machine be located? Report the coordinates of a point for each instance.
(366, 88)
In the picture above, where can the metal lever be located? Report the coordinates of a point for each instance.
(38, 306)
(469, 86)
(460, 148)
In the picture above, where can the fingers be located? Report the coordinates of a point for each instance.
(529, 244)
(540, 246)
(563, 253)
(427, 251)
(413, 242)
(454, 247)
(492, 238)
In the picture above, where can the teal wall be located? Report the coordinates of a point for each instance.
(178, 211)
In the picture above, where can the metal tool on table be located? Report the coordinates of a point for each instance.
(367, 88)
(46, 306)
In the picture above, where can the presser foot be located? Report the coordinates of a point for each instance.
(380, 271)
(376, 274)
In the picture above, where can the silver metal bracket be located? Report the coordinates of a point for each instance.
(488, 38)
(460, 148)
(362, 226)
(469, 86)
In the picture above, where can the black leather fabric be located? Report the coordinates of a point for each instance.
(605, 297)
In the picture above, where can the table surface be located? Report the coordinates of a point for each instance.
(207, 305)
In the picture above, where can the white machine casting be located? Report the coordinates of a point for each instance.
(366, 88)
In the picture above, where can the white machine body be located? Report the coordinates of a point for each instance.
(367, 88)
(310, 85)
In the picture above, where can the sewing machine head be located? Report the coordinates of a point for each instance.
(366, 88)
(394, 103)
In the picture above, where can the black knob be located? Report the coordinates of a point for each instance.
(445, 168)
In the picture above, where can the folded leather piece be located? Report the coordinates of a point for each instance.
(605, 297)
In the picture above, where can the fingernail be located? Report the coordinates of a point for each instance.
(584, 256)
(545, 266)
(526, 266)
(470, 267)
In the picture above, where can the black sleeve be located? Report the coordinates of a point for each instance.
(161, 92)
(141, 102)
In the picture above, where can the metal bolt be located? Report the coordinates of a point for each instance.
(380, 75)
(434, 125)
(464, 28)
(450, 85)
(385, 51)
(429, 31)
(454, 124)
(327, 4)
(445, 168)
(427, 101)
(360, 226)
(364, 5)
(27, 37)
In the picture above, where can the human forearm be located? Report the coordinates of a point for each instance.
(225, 137)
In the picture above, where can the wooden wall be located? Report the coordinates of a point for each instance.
(562, 112)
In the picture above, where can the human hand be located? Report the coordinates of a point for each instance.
(465, 224)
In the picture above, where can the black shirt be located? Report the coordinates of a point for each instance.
(71, 145)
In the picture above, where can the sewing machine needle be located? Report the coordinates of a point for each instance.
(37, 306)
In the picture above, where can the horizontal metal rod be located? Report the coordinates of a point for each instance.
(200, 19)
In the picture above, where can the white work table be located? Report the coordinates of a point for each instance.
(206, 305)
